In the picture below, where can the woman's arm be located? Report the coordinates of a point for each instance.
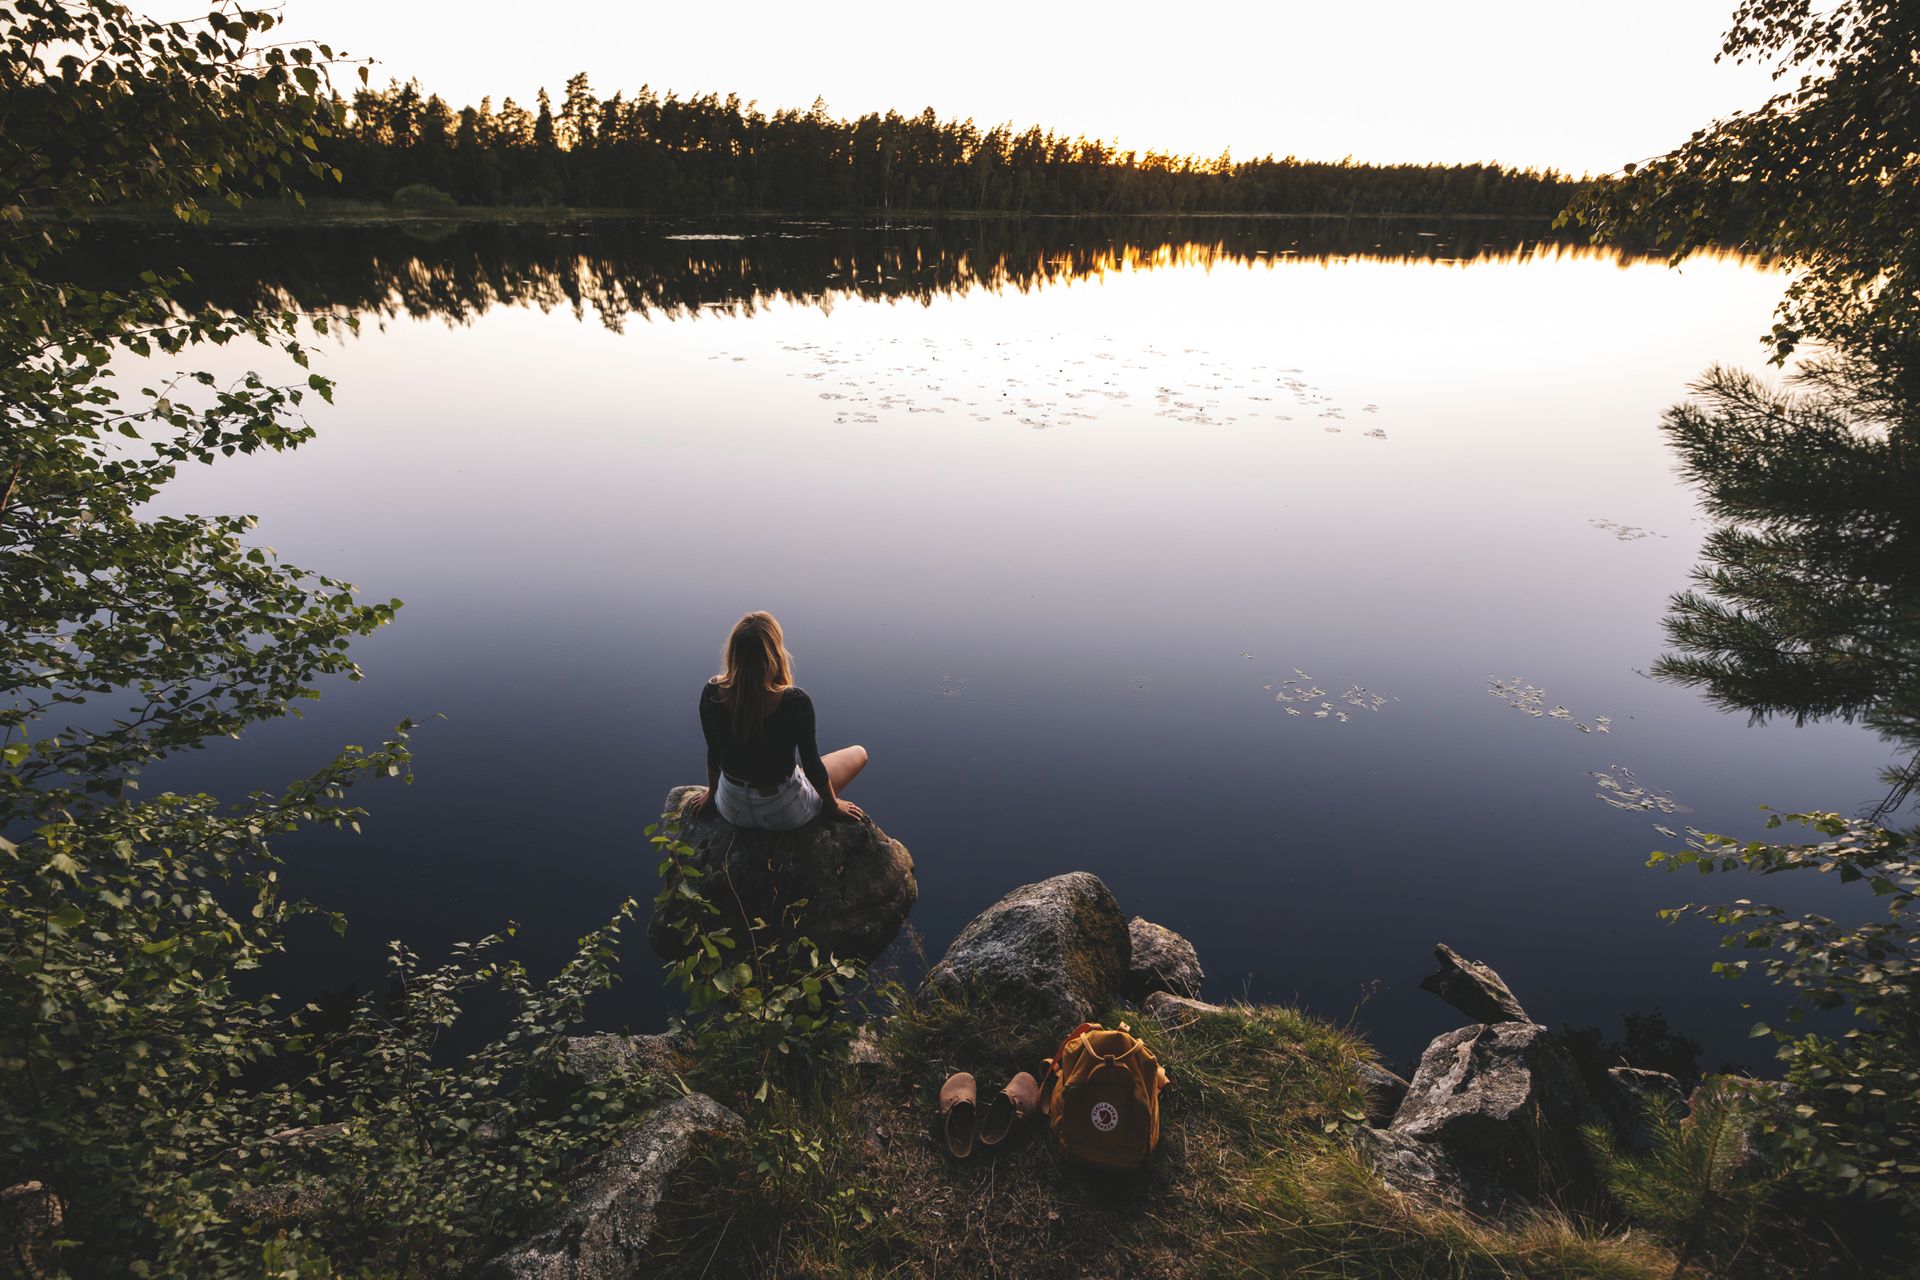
(710, 731)
(831, 805)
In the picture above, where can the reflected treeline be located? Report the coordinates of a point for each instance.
(616, 269)
(1807, 604)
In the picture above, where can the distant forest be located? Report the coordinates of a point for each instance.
(705, 155)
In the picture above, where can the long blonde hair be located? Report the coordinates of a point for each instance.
(754, 664)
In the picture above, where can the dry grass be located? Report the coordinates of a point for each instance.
(1247, 1180)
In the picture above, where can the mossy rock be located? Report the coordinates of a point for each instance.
(1055, 953)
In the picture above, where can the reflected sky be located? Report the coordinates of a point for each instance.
(1053, 555)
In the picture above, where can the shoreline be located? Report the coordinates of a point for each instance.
(350, 213)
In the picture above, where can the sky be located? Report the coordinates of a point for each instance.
(1578, 88)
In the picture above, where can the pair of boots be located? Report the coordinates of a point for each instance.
(963, 1121)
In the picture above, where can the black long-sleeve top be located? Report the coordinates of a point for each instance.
(768, 757)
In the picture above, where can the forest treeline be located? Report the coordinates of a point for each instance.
(707, 154)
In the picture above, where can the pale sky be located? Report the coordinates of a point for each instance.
(1525, 83)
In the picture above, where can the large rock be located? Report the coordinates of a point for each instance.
(857, 881)
(1054, 953)
(603, 1225)
(1504, 1100)
(1161, 960)
(1472, 988)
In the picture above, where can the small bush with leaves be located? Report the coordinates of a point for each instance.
(764, 1009)
(1855, 1118)
(424, 1157)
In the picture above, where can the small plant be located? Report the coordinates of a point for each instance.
(1701, 1187)
(761, 1013)
(1855, 1118)
(432, 1156)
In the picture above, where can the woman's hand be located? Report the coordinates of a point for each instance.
(696, 805)
(850, 811)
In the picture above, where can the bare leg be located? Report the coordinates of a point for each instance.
(843, 766)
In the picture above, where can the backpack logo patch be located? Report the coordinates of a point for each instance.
(1105, 1117)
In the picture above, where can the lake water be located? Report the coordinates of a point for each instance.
(1211, 557)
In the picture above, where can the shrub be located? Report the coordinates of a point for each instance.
(1700, 1188)
(418, 197)
(762, 1014)
(1855, 1119)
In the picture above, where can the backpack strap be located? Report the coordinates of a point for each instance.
(1139, 1047)
(1050, 1067)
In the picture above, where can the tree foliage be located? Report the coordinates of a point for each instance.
(1822, 176)
(1807, 604)
(147, 1078)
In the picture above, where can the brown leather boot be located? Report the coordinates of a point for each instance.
(957, 1097)
(1007, 1108)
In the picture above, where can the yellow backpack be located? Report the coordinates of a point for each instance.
(1101, 1096)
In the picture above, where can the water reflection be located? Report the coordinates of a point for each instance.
(1807, 603)
(621, 270)
(561, 507)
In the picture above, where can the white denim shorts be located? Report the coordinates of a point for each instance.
(794, 803)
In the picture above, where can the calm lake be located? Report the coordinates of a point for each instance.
(1296, 577)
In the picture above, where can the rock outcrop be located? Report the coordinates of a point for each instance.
(1053, 953)
(1506, 1102)
(1161, 960)
(594, 1060)
(602, 1228)
(1472, 988)
(856, 880)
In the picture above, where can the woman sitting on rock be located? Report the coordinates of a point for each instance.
(755, 723)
